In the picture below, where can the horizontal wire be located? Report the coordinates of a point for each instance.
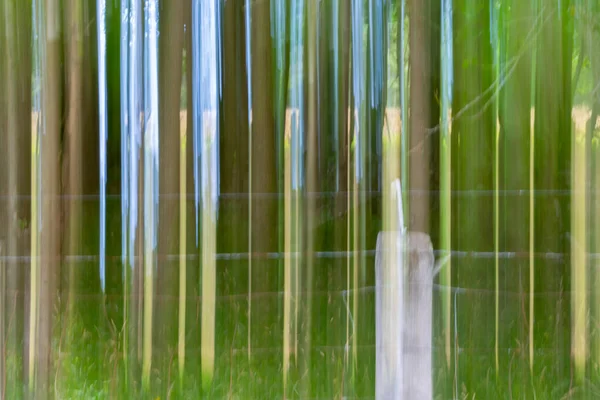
(456, 254)
(481, 192)
(341, 293)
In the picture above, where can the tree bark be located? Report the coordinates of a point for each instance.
(170, 76)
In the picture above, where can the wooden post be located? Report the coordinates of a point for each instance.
(404, 315)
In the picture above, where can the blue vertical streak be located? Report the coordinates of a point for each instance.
(151, 150)
(135, 88)
(372, 53)
(101, 15)
(278, 37)
(403, 96)
(124, 55)
(208, 76)
(219, 56)
(376, 31)
(358, 80)
(297, 93)
(378, 53)
(447, 68)
(38, 77)
(318, 76)
(196, 48)
(278, 30)
(248, 22)
(336, 77)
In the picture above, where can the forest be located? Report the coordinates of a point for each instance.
(191, 193)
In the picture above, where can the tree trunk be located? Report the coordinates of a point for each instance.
(170, 77)
(15, 179)
(472, 176)
(551, 165)
(48, 268)
(263, 177)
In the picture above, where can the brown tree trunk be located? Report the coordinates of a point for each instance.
(15, 138)
(72, 162)
(232, 229)
(170, 70)
(263, 229)
(49, 260)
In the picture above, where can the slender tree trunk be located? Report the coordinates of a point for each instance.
(593, 49)
(341, 96)
(472, 176)
(264, 185)
(311, 136)
(170, 76)
(72, 162)
(15, 183)
(420, 117)
(552, 159)
(516, 32)
(49, 192)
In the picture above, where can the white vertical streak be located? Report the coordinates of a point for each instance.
(134, 120)
(247, 23)
(124, 94)
(151, 150)
(101, 15)
(358, 82)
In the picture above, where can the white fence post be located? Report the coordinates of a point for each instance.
(404, 282)
(404, 268)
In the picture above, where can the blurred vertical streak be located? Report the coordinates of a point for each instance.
(46, 205)
(232, 228)
(592, 48)
(515, 32)
(552, 175)
(206, 27)
(280, 17)
(3, 296)
(131, 172)
(15, 183)
(182, 243)
(341, 208)
(445, 175)
(36, 128)
(3, 192)
(288, 127)
(170, 78)
(193, 364)
(582, 209)
(263, 181)
(311, 135)
(75, 124)
(472, 146)
(124, 56)
(359, 133)
(151, 181)
(423, 115)
(403, 64)
(249, 80)
(8, 177)
(497, 23)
